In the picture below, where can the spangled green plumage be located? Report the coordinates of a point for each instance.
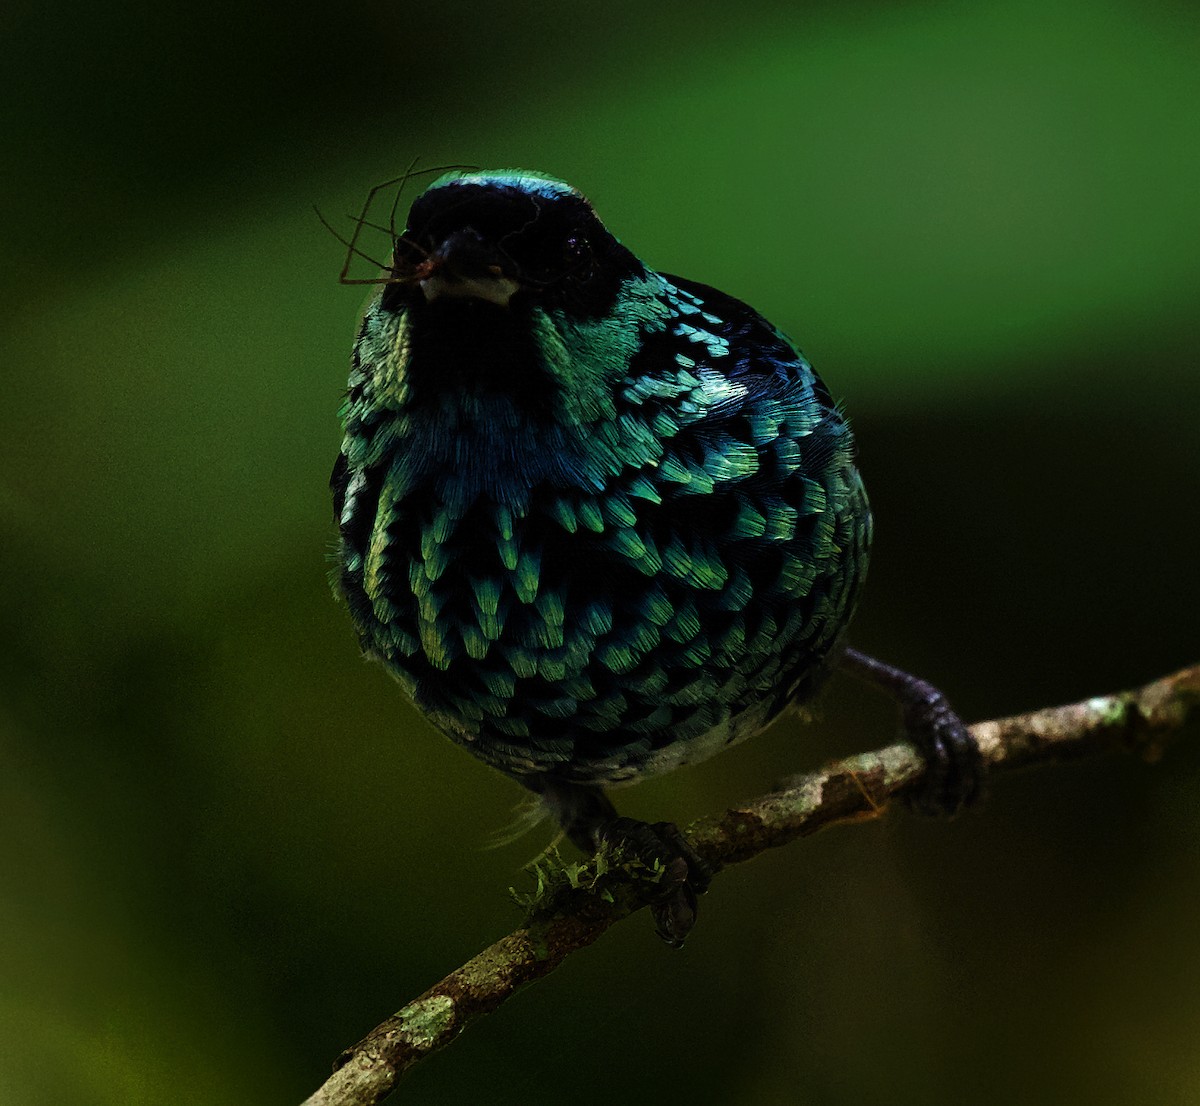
(598, 520)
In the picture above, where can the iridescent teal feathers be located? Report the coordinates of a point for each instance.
(600, 527)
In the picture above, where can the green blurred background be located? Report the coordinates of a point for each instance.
(228, 848)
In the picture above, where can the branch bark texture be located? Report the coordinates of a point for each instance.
(577, 903)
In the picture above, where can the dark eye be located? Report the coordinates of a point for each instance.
(407, 251)
(577, 249)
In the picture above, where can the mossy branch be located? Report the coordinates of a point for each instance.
(576, 903)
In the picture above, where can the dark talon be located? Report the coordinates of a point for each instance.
(954, 769)
(954, 775)
(674, 919)
(590, 820)
(684, 873)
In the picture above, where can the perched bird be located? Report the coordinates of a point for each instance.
(599, 521)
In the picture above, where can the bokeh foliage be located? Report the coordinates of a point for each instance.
(229, 848)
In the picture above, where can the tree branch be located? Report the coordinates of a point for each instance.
(575, 904)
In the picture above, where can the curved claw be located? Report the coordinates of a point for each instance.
(954, 772)
(675, 917)
(685, 873)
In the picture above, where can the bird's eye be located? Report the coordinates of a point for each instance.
(577, 249)
(408, 252)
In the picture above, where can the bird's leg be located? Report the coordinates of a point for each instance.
(590, 820)
(954, 768)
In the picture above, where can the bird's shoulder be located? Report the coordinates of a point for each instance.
(746, 347)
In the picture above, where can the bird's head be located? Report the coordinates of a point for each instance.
(512, 239)
(506, 283)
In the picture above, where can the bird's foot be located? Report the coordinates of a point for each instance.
(677, 873)
(682, 873)
(954, 769)
(955, 773)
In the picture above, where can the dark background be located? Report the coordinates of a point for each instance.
(228, 848)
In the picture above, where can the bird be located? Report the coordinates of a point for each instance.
(597, 520)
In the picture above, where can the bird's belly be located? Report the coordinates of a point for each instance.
(548, 644)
